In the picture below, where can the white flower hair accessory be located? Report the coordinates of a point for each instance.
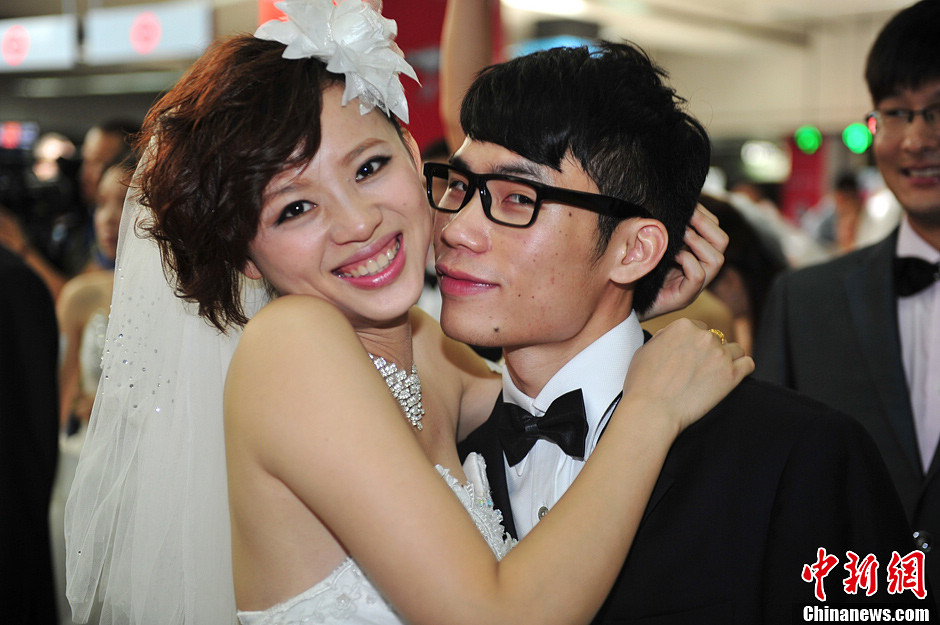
(352, 39)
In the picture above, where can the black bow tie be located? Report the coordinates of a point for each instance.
(564, 424)
(912, 275)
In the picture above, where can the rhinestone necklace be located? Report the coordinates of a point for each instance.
(406, 389)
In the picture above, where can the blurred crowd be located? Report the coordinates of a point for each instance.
(60, 211)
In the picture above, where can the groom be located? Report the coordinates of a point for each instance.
(762, 504)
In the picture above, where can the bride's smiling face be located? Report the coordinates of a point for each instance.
(353, 225)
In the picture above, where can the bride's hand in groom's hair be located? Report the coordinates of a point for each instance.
(698, 262)
(683, 372)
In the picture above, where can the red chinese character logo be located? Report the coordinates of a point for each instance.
(818, 571)
(907, 573)
(862, 574)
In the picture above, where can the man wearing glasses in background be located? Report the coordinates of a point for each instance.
(862, 332)
(556, 221)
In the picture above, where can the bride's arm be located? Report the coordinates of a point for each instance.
(318, 418)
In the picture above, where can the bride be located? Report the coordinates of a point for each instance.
(278, 165)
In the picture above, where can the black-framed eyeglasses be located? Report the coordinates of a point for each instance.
(896, 120)
(510, 200)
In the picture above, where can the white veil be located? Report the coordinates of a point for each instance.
(146, 523)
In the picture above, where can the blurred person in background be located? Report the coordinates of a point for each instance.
(750, 266)
(54, 232)
(862, 332)
(45, 190)
(104, 143)
(49, 150)
(836, 220)
(848, 205)
(28, 427)
(754, 204)
(13, 239)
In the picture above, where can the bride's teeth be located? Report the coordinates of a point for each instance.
(375, 265)
(382, 260)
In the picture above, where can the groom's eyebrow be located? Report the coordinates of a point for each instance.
(456, 161)
(521, 168)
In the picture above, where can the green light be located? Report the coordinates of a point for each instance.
(856, 137)
(808, 139)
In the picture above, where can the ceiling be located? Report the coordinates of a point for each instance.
(702, 25)
(705, 26)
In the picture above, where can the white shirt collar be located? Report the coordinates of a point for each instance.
(912, 244)
(598, 370)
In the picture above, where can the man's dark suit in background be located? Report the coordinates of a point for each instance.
(838, 332)
(28, 441)
(831, 332)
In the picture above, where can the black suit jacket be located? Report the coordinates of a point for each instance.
(831, 332)
(29, 421)
(745, 498)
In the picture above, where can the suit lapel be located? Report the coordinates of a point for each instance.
(873, 311)
(485, 441)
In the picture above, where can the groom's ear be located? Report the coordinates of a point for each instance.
(636, 247)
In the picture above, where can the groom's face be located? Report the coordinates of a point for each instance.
(515, 287)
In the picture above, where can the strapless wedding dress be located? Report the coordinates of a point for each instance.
(346, 595)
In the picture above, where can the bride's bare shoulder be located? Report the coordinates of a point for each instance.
(295, 328)
(297, 313)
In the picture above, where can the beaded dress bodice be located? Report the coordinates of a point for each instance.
(346, 595)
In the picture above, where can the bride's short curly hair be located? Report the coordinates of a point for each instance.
(241, 115)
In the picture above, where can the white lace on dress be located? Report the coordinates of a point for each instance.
(475, 497)
(347, 596)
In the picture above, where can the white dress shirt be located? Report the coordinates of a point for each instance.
(919, 325)
(542, 477)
